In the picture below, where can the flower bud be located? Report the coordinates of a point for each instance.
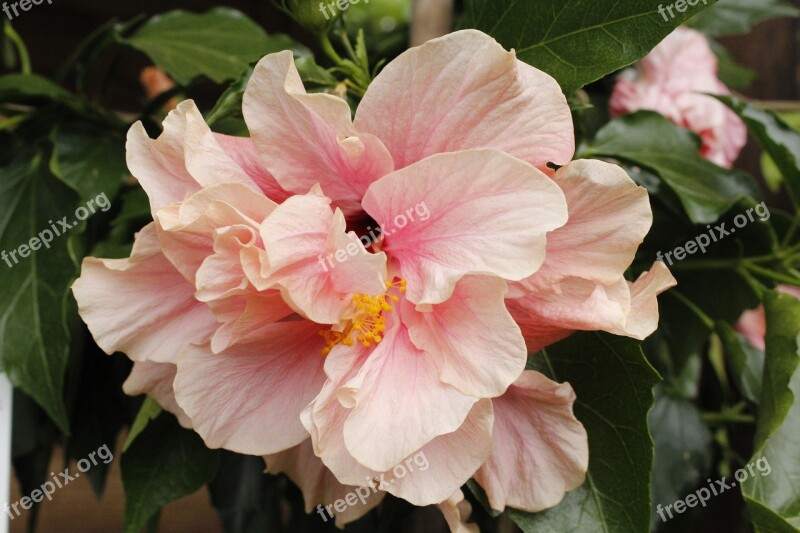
(314, 15)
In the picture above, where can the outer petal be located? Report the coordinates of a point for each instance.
(299, 237)
(488, 213)
(243, 152)
(609, 217)
(540, 448)
(320, 486)
(424, 477)
(305, 139)
(456, 511)
(465, 91)
(473, 338)
(155, 380)
(452, 460)
(141, 306)
(186, 157)
(248, 398)
(643, 318)
(385, 424)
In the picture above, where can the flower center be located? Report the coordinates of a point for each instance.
(369, 322)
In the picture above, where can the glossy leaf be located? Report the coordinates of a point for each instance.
(614, 386)
(218, 44)
(575, 41)
(646, 138)
(774, 498)
(164, 463)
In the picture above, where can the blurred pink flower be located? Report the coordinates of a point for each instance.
(671, 80)
(753, 324)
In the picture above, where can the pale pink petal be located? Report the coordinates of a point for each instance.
(243, 316)
(540, 449)
(243, 152)
(397, 402)
(446, 463)
(609, 217)
(426, 476)
(753, 324)
(488, 213)
(184, 158)
(155, 380)
(259, 389)
(189, 226)
(299, 237)
(465, 91)
(307, 139)
(320, 487)
(141, 306)
(643, 317)
(456, 511)
(550, 313)
(472, 337)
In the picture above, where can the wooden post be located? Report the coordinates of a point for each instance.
(5, 449)
(430, 19)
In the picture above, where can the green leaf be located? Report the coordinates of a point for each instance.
(90, 159)
(776, 137)
(30, 88)
(575, 41)
(732, 17)
(746, 362)
(148, 412)
(164, 463)
(218, 44)
(614, 387)
(34, 339)
(774, 498)
(682, 448)
(646, 138)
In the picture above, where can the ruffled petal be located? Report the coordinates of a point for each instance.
(307, 139)
(186, 157)
(155, 380)
(540, 451)
(642, 320)
(301, 238)
(465, 91)
(385, 425)
(259, 389)
(473, 338)
(141, 306)
(470, 212)
(456, 511)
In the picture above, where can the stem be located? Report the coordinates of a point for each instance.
(22, 50)
(792, 230)
(776, 276)
(707, 321)
(727, 418)
(327, 47)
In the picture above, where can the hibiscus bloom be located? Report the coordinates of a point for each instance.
(415, 342)
(672, 80)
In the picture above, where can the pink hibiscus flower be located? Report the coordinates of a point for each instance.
(414, 342)
(671, 80)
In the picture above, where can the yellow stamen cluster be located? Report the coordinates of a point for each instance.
(369, 320)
